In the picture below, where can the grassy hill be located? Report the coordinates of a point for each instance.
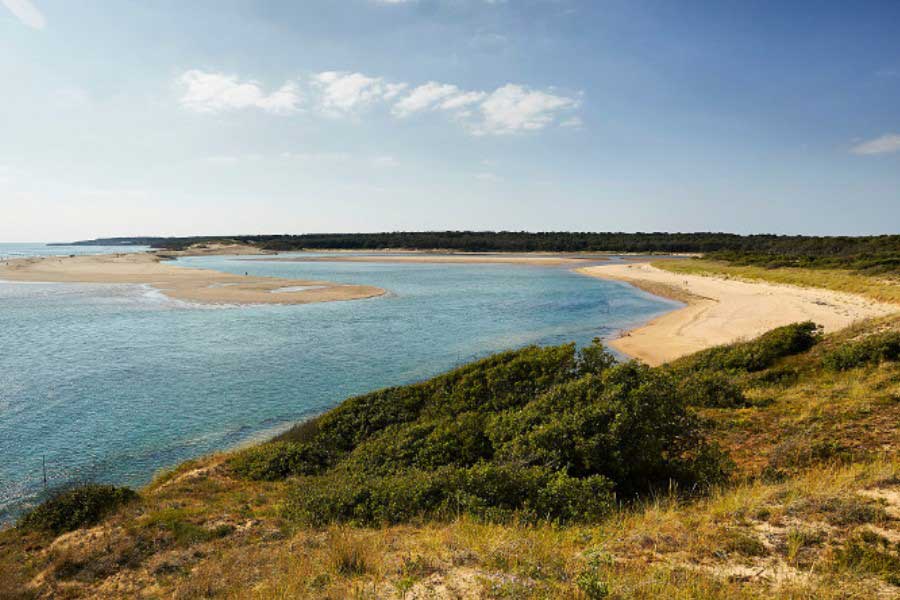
(765, 468)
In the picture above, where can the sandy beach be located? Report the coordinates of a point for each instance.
(721, 311)
(180, 283)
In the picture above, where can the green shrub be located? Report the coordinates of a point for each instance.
(78, 507)
(710, 390)
(780, 375)
(537, 433)
(594, 359)
(495, 492)
(871, 350)
(628, 425)
(755, 355)
(276, 460)
(592, 585)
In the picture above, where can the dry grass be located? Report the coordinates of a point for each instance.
(814, 512)
(746, 541)
(882, 289)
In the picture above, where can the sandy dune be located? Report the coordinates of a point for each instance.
(191, 285)
(213, 250)
(721, 311)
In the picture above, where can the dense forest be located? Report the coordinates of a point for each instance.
(873, 254)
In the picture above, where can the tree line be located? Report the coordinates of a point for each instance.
(876, 254)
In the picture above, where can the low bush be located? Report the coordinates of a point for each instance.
(871, 350)
(755, 355)
(549, 433)
(78, 507)
(494, 492)
(711, 390)
(276, 460)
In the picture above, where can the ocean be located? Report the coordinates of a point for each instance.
(113, 383)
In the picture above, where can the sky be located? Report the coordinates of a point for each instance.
(218, 117)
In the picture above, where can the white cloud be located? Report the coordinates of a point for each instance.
(885, 144)
(345, 92)
(514, 108)
(217, 92)
(424, 97)
(463, 100)
(508, 109)
(391, 90)
(27, 12)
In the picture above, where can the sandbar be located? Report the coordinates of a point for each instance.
(190, 285)
(721, 311)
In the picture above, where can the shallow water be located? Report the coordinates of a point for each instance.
(115, 382)
(8, 251)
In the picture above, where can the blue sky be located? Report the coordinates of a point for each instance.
(131, 117)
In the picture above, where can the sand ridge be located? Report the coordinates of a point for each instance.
(190, 285)
(720, 311)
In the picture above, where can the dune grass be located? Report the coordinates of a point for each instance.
(879, 288)
(812, 511)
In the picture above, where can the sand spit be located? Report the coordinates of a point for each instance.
(180, 283)
(720, 311)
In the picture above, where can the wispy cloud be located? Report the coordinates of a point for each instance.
(890, 142)
(511, 108)
(490, 177)
(207, 92)
(26, 12)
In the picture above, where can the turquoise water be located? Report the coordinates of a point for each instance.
(112, 383)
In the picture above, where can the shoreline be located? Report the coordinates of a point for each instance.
(434, 258)
(716, 310)
(201, 286)
(721, 311)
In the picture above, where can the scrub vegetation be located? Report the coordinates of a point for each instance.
(767, 468)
